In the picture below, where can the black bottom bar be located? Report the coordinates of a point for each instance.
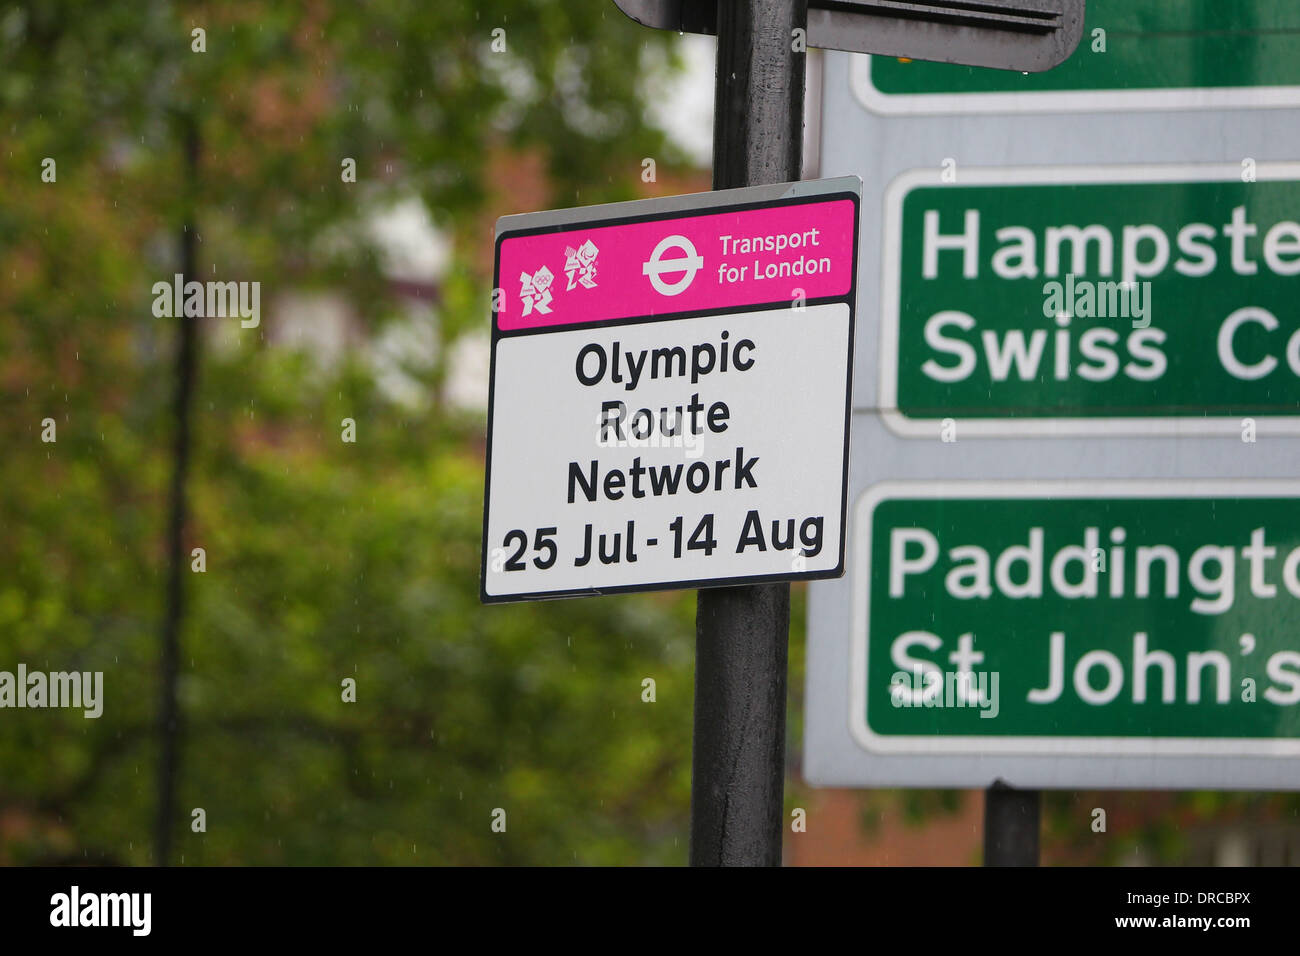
(335, 908)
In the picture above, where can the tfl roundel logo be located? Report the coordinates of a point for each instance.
(688, 264)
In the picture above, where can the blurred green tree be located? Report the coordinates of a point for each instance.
(325, 561)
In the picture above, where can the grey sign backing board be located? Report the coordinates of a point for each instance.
(1134, 587)
(670, 392)
(1059, 718)
(1025, 35)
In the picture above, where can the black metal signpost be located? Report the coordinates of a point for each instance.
(1011, 826)
(742, 633)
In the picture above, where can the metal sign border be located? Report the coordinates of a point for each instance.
(1061, 427)
(1028, 746)
(1065, 101)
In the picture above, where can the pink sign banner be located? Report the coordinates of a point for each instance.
(700, 262)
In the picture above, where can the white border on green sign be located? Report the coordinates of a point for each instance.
(1065, 101)
(1176, 425)
(860, 586)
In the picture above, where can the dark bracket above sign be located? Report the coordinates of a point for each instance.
(1026, 35)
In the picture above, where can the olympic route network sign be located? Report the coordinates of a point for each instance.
(670, 392)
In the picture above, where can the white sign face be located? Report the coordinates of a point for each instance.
(670, 393)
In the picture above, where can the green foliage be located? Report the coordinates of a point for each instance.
(330, 560)
(325, 560)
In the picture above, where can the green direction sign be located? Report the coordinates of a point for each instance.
(1137, 54)
(1099, 300)
(1100, 617)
